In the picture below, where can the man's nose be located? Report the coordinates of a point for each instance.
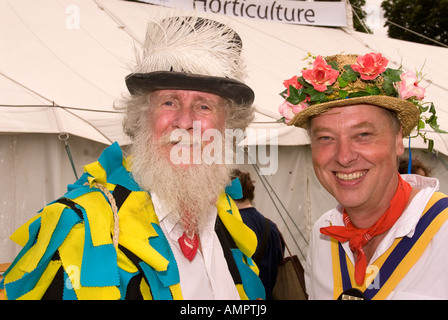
(345, 153)
(184, 119)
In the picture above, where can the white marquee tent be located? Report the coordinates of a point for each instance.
(63, 63)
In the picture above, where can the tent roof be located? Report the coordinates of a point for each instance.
(60, 76)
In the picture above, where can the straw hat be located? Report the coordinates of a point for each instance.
(191, 53)
(353, 79)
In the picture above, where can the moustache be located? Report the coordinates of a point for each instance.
(181, 138)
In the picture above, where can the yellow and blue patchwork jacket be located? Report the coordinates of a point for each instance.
(68, 250)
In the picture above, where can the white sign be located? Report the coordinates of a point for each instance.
(286, 11)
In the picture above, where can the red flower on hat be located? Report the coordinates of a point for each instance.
(370, 65)
(292, 82)
(321, 75)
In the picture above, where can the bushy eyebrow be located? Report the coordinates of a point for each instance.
(364, 124)
(200, 99)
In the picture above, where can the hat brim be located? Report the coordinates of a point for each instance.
(407, 112)
(162, 80)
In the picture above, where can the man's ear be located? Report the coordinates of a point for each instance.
(399, 143)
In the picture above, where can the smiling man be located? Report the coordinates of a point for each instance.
(386, 239)
(148, 226)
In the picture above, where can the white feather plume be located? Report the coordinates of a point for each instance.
(175, 45)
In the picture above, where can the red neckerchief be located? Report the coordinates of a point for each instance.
(189, 241)
(358, 238)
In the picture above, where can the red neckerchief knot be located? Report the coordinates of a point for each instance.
(358, 238)
(189, 245)
(189, 241)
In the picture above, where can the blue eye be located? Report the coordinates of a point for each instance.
(204, 109)
(171, 105)
(364, 134)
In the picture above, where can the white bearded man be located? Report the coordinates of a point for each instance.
(149, 227)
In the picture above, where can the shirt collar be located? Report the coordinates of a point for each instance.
(174, 229)
(163, 220)
(406, 224)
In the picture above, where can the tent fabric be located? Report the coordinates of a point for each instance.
(51, 64)
(35, 170)
(57, 76)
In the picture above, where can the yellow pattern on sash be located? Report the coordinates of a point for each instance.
(176, 292)
(49, 219)
(241, 292)
(44, 282)
(145, 290)
(244, 237)
(100, 216)
(22, 235)
(71, 252)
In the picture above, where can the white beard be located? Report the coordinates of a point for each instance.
(183, 190)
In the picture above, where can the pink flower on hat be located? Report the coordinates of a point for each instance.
(408, 87)
(322, 74)
(370, 65)
(289, 110)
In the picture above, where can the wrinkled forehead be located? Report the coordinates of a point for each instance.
(361, 115)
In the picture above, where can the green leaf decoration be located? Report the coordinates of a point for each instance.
(430, 145)
(374, 91)
(392, 74)
(358, 94)
(350, 75)
(436, 128)
(423, 108)
(334, 65)
(295, 96)
(388, 87)
(303, 82)
(343, 94)
(421, 124)
(432, 109)
(342, 83)
(316, 95)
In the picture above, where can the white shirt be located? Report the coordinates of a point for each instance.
(207, 276)
(427, 279)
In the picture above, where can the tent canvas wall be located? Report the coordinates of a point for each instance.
(60, 77)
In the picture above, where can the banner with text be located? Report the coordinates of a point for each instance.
(286, 11)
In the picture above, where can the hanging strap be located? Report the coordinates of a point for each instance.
(227, 244)
(264, 241)
(64, 137)
(410, 158)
